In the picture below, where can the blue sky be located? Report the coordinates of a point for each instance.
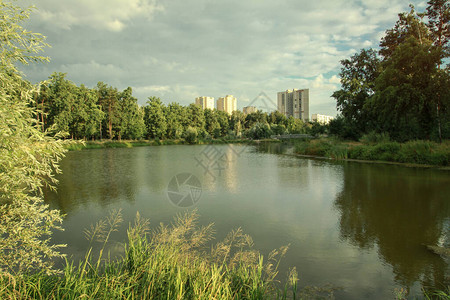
(178, 50)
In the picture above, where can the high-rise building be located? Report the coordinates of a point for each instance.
(294, 103)
(323, 119)
(227, 104)
(249, 109)
(205, 102)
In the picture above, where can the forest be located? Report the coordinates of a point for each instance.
(107, 113)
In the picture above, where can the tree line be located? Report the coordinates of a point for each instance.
(404, 88)
(104, 112)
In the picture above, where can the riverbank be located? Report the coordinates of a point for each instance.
(82, 145)
(173, 262)
(412, 152)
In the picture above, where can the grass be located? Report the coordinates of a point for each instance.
(170, 262)
(76, 146)
(412, 152)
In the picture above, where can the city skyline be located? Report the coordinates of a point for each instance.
(177, 51)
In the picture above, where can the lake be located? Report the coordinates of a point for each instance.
(359, 226)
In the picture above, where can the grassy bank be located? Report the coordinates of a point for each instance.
(171, 262)
(412, 152)
(76, 146)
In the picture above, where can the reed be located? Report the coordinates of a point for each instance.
(170, 262)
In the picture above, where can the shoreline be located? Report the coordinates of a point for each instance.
(408, 165)
(87, 145)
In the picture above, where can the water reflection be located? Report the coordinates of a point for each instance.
(400, 211)
(94, 177)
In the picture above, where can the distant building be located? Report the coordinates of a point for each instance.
(227, 104)
(323, 119)
(249, 109)
(294, 103)
(205, 102)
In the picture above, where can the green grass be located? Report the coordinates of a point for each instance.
(170, 262)
(78, 145)
(412, 152)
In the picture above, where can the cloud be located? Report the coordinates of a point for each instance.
(178, 50)
(99, 14)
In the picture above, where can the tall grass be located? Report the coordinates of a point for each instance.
(169, 262)
(413, 152)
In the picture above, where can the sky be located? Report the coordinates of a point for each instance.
(179, 50)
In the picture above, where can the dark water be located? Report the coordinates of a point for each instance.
(362, 227)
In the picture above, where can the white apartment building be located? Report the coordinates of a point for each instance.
(205, 102)
(227, 104)
(294, 103)
(323, 119)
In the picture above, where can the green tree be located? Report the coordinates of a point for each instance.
(237, 122)
(408, 25)
(224, 121)
(154, 118)
(212, 125)
(404, 100)
(27, 156)
(438, 13)
(358, 75)
(196, 118)
(175, 116)
(296, 126)
(91, 114)
(108, 98)
(61, 95)
(130, 118)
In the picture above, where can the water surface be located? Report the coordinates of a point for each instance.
(363, 227)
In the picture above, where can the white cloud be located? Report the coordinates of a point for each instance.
(179, 50)
(99, 14)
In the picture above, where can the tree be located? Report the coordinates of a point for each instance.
(237, 122)
(108, 100)
(61, 97)
(358, 76)
(27, 156)
(438, 13)
(408, 25)
(406, 92)
(224, 121)
(154, 118)
(130, 118)
(212, 125)
(92, 115)
(196, 118)
(175, 117)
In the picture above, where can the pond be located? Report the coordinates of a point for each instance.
(359, 226)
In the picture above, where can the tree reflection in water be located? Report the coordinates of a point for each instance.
(399, 210)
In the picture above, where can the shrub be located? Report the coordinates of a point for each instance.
(28, 157)
(191, 135)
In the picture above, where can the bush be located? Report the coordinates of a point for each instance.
(373, 137)
(191, 135)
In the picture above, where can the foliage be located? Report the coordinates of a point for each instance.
(373, 138)
(404, 91)
(191, 135)
(154, 118)
(357, 79)
(259, 131)
(412, 152)
(28, 157)
(173, 262)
